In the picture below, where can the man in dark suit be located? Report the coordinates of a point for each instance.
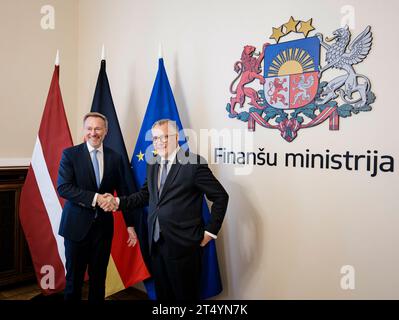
(88, 171)
(174, 189)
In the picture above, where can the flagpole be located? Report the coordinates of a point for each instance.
(103, 53)
(160, 53)
(57, 58)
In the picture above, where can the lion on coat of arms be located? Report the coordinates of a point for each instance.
(249, 69)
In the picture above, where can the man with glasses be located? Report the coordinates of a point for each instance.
(176, 182)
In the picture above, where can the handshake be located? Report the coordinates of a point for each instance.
(107, 202)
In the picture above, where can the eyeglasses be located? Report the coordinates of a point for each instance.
(162, 139)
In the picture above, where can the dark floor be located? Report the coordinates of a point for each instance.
(31, 291)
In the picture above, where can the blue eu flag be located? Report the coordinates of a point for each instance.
(162, 105)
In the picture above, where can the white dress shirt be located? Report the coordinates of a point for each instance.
(100, 158)
(170, 159)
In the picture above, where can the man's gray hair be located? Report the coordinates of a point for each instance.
(96, 115)
(168, 121)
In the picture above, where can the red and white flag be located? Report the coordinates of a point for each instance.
(40, 206)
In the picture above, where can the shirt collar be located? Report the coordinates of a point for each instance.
(172, 156)
(100, 149)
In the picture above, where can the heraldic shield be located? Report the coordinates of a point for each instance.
(291, 71)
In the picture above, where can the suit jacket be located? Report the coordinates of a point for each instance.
(77, 184)
(179, 207)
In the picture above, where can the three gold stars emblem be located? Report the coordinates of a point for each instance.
(292, 25)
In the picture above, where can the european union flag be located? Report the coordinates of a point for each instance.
(162, 105)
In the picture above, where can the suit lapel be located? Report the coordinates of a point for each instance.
(154, 180)
(89, 164)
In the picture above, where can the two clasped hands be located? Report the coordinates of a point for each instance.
(108, 203)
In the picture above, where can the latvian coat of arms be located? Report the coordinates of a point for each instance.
(291, 94)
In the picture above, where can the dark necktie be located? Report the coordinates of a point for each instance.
(164, 174)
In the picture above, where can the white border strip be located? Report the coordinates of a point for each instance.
(49, 196)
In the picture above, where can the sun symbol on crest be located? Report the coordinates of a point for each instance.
(291, 61)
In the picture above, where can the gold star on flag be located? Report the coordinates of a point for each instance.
(306, 27)
(277, 34)
(291, 25)
(140, 156)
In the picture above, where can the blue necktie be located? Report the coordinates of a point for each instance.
(161, 184)
(96, 167)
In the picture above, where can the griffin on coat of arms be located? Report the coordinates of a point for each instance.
(338, 56)
(293, 97)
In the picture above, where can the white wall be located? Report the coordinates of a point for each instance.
(288, 231)
(27, 53)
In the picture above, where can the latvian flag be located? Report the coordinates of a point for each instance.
(40, 206)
